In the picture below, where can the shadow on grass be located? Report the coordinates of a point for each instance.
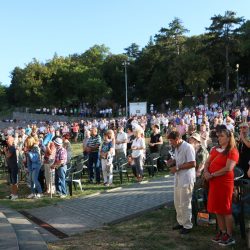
(152, 230)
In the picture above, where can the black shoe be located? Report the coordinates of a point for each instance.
(185, 231)
(177, 227)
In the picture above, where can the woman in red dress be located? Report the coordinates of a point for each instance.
(219, 171)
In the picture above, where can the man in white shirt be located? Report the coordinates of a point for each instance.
(184, 171)
(121, 143)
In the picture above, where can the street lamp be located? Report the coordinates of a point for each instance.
(237, 79)
(125, 64)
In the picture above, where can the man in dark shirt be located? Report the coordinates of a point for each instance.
(11, 158)
(154, 146)
(244, 148)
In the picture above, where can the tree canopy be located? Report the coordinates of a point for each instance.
(170, 66)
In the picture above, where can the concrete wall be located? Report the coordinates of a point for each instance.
(41, 117)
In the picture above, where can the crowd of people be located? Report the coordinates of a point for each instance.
(44, 147)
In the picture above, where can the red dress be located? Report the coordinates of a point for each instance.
(221, 187)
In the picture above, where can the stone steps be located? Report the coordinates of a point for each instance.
(7, 232)
(17, 233)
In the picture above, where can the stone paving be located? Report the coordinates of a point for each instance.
(86, 213)
(82, 214)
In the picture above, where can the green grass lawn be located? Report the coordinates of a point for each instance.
(150, 231)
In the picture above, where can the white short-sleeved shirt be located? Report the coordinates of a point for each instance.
(183, 154)
(121, 137)
(138, 142)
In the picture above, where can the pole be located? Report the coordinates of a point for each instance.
(126, 87)
(237, 79)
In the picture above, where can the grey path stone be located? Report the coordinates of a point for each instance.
(28, 237)
(85, 213)
(8, 239)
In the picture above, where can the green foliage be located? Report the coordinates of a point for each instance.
(168, 67)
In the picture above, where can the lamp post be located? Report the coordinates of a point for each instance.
(125, 64)
(237, 79)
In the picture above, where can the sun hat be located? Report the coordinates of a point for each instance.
(244, 124)
(196, 136)
(58, 141)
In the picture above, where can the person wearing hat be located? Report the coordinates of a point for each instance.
(201, 153)
(60, 166)
(244, 147)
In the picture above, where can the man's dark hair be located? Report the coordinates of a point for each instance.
(174, 135)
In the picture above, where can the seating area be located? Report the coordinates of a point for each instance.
(74, 173)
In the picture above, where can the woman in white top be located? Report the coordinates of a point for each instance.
(138, 147)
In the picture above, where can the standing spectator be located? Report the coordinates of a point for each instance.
(75, 130)
(121, 144)
(244, 114)
(68, 147)
(154, 146)
(34, 166)
(184, 171)
(138, 147)
(204, 135)
(60, 168)
(92, 148)
(244, 147)
(106, 155)
(11, 158)
(49, 159)
(219, 172)
(130, 139)
(201, 153)
(85, 143)
(182, 129)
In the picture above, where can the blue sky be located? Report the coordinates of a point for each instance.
(39, 28)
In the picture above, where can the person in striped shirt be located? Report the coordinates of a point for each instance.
(92, 148)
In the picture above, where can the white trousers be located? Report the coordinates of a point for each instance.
(107, 172)
(49, 178)
(183, 205)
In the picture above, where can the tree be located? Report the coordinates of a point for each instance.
(223, 30)
(173, 36)
(133, 52)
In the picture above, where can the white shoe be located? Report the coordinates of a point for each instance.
(39, 196)
(14, 197)
(63, 196)
(31, 196)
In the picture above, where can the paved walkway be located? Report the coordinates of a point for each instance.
(82, 214)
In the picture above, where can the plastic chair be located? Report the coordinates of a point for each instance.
(198, 203)
(120, 168)
(74, 174)
(238, 173)
(241, 204)
(151, 165)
